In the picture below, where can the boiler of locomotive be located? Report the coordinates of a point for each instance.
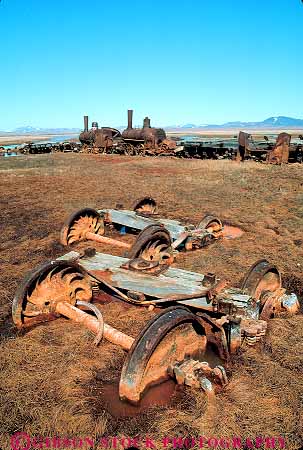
(147, 134)
(96, 136)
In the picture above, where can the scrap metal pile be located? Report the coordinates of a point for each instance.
(202, 318)
(282, 151)
(49, 147)
(145, 141)
(132, 141)
(148, 141)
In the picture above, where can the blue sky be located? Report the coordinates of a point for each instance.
(181, 61)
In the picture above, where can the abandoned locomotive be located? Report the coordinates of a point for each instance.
(132, 141)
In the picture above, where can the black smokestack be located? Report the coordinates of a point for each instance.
(129, 118)
(85, 123)
(146, 123)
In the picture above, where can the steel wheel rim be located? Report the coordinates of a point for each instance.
(148, 359)
(145, 205)
(78, 224)
(48, 284)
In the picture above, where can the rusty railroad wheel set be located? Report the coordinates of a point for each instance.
(202, 318)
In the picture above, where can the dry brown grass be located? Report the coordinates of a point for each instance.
(48, 376)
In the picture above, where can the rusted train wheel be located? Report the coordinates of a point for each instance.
(261, 280)
(79, 223)
(212, 222)
(261, 277)
(48, 284)
(153, 245)
(145, 206)
(170, 337)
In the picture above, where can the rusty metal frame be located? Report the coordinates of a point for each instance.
(226, 318)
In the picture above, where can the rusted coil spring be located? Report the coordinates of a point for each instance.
(99, 316)
(252, 339)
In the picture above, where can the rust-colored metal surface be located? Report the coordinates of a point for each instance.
(199, 374)
(87, 224)
(97, 140)
(263, 283)
(97, 312)
(167, 339)
(280, 153)
(61, 287)
(261, 277)
(243, 138)
(243, 141)
(133, 141)
(146, 134)
(146, 206)
(143, 216)
(187, 341)
(216, 334)
(111, 334)
(252, 331)
(43, 288)
(105, 240)
(80, 223)
(153, 244)
(210, 223)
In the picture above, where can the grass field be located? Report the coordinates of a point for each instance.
(53, 378)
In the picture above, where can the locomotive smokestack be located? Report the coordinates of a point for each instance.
(129, 118)
(146, 123)
(85, 123)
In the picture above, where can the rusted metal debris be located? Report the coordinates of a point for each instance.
(148, 141)
(280, 153)
(90, 224)
(49, 147)
(243, 141)
(132, 141)
(153, 245)
(203, 319)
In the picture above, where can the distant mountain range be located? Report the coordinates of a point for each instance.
(271, 122)
(40, 131)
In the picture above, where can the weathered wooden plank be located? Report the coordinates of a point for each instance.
(172, 282)
(107, 261)
(131, 220)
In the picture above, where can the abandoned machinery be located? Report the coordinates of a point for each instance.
(48, 147)
(156, 234)
(282, 151)
(203, 320)
(132, 141)
(154, 142)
